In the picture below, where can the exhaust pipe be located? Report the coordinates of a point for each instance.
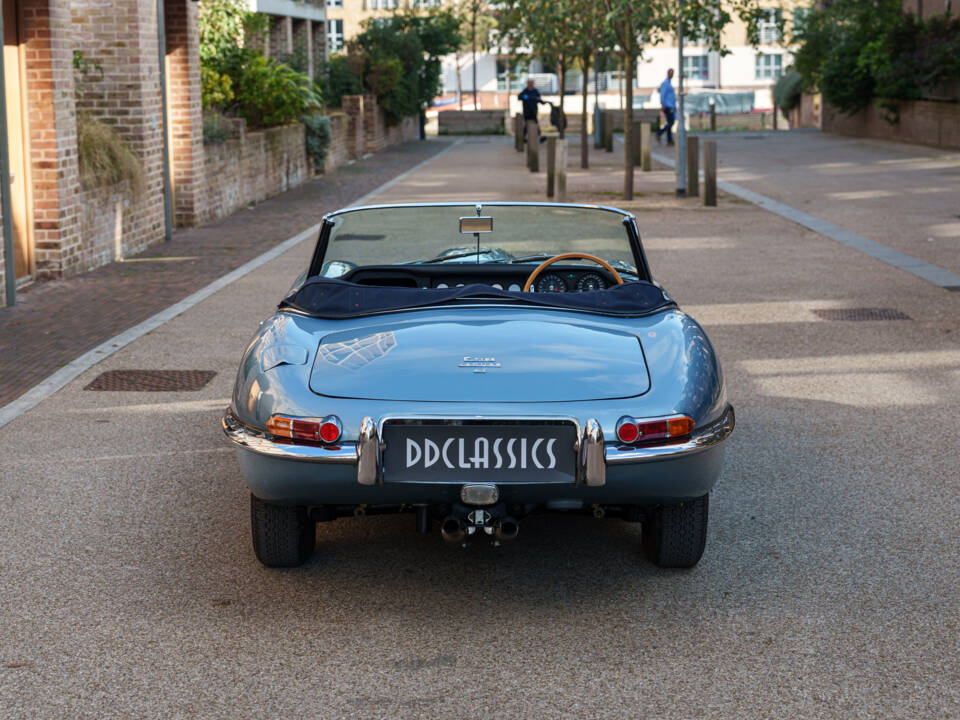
(507, 529)
(451, 529)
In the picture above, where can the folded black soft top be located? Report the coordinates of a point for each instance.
(335, 299)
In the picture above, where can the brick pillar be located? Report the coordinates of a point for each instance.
(184, 110)
(374, 125)
(319, 32)
(46, 32)
(258, 41)
(281, 36)
(132, 105)
(353, 108)
(302, 41)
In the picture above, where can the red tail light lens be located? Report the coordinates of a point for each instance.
(326, 430)
(330, 431)
(627, 430)
(632, 431)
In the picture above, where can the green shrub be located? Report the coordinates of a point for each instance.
(787, 91)
(337, 79)
(214, 127)
(317, 137)
(853, 51)
(216, 90)
(104, 158)
(398, 59)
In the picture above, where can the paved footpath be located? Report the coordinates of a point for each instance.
(55, 322)
(828, 588)
(906, 197)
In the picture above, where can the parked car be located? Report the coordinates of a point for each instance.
(473, 364)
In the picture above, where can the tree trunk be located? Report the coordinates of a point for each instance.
(562, 116)
(584, 149)
(473, 32)
(459, 80)
(628, 127)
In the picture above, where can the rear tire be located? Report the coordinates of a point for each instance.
(283, 535)
(674, 536)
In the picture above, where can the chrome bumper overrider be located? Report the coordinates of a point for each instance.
(595, 454)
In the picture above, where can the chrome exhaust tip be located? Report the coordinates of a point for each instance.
(451, 529)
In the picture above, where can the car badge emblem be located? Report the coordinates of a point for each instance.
(479, 364)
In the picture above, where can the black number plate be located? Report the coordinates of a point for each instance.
(443, 453)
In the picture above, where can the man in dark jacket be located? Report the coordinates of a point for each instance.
(530, 97)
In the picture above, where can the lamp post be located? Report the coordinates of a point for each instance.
(10, 268)
(681, 126)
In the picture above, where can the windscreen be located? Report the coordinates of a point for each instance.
(520, 233)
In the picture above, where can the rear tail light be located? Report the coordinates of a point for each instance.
(630, 431)
(325, 430)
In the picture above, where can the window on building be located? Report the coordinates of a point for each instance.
(696, 67)
(770, 27)
(769, 67)
(800, 16)
(427, 3)
(335, 3)
(335, 35)
(383, 4)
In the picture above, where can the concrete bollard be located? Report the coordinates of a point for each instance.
(774, 116)
(646, 163)
(636, 140)
(693, 166)
(551, 164)
(599, 121)
(561, 170)
(518, 132)
(710, 173)
(607, 132)
(533, 146)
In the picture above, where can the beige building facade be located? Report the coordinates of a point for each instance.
(345, 17)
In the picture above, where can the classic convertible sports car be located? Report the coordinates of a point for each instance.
(472, 364)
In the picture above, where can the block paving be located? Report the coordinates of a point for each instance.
(54, 322)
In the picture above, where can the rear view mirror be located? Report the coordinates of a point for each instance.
(473, 224)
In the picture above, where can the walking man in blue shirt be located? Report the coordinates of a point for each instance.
(668, 104)
(530, 97)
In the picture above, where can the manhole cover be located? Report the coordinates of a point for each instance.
(151, 380)
(861, 314)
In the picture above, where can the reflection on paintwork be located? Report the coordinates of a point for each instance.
(359, 352)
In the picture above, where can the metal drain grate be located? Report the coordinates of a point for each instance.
(861, 314)
(151, 380)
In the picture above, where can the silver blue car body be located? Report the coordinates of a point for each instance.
(497, 361)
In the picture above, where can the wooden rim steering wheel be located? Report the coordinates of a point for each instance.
(570, 256)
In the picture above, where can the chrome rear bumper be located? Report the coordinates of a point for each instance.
(595, 454)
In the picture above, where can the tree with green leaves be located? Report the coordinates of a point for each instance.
(398, 58)
(477, 22)
(593, 34)
(638, 23)
(550, 30)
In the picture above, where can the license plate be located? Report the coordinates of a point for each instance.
(509, 453)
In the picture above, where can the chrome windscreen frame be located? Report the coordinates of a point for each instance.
(629, 222)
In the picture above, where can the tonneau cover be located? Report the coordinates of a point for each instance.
(334, 299)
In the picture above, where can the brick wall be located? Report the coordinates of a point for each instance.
(2, 261)
(102, 212)
(921, 122)
(250, 167)
(337, 154)
(46, 32)
(354, 135)
(118, 40)
(184, 110)
(471, 122)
